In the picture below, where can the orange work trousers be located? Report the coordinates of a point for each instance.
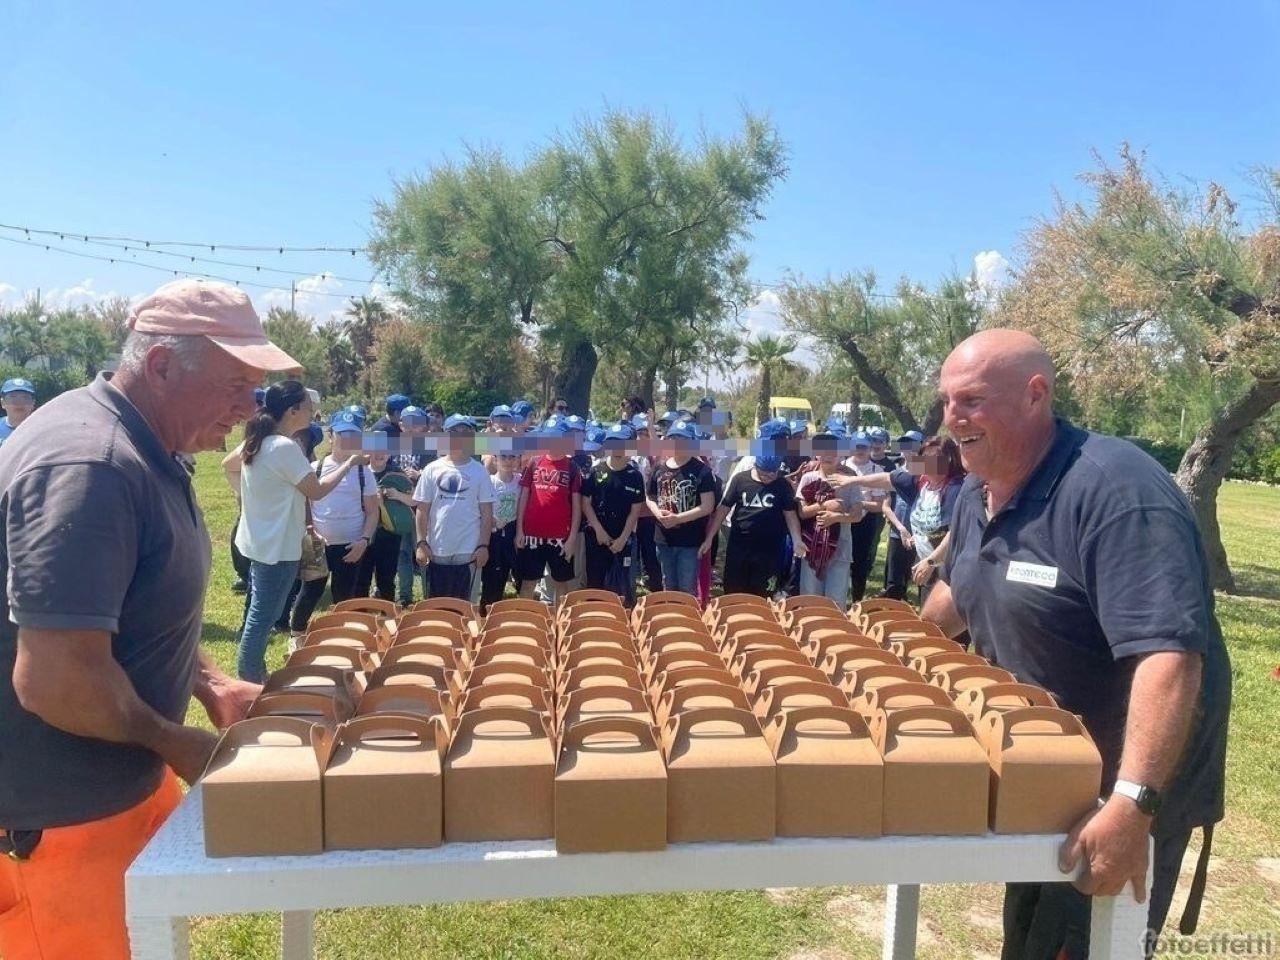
(67, 901)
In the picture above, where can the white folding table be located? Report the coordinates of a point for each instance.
(173, 880)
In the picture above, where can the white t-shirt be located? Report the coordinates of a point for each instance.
(454, 494)
(506, 494)
(273, 513)
(339, 517)
(866, 494)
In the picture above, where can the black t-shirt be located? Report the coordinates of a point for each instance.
(758, 509)
(678, 490)
(1096, 562)
(612, 494)
(99, 530)
(388, 426)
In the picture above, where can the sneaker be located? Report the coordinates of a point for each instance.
(239, 586)
(295, 641)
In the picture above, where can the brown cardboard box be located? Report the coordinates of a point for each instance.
(670, 680)
(794, 694)
(447, 619)
(668, 626)
(673, 659)
(804, 630)
(417, 701)
(589, 595)
(261, 790)
(957, 678)
(977, 699)
(464, 608)
(311, 678)
(312, 707)
(350, 620)
(896, 696)
(695, 696)
(725, 601)
(610, 787)
(930, 664)
(830, 773)
(499, 694)
(910, 647)
(499, 775)
(362, 662)
(746, 640)
(413, 673)
(758, 680)
(824, 641)
(1046, 772)
(435, 633)
(609, 612)
(355, 636)
(510, 651)
(676, 640)
(839, 662)
(858, 683)
(867, 619)
(587, 703)
(760, 657)
(599, 674)
(383, 785)
(886, 631)
(518, 605)
(935, 772)
(438, 651)
(503, 671)
(796, 621)
(598, 652)
(721, 782)
(519, 632)
(382, 609)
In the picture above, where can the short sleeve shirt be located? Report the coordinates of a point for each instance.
(454, 493)
(1096, 562)
(679, 489)
(758, 509)
(551, 484)
(99, 530)
(613, 494)
(273, 513)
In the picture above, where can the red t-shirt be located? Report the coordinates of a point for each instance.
(551, 485)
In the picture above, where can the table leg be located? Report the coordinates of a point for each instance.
(901, 913)
(159, 938)
(1118, 927)
(297, 935)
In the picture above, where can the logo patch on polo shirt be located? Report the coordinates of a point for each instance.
(1035, 574)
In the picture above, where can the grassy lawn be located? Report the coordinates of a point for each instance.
(821, 924)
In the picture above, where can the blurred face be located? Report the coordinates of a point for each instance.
(462, 441)
(825, 457)
(996, 411)
(347, 442)
(195, 409)
(508, 462)
(18, 405)
(501, 425)
(378, 460)
(908, 447)
(561, 407)
(861, 455)
(932, 465)
(414, 427)
(877, 449)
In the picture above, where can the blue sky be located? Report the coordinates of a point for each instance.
(920, 135)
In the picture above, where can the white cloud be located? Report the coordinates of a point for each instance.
(991, 270)
(763, 316)
(322, 297)
(82, 294)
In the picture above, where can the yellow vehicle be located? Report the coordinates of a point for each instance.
(790, 408)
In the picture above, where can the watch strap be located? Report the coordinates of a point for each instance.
(1127, 788)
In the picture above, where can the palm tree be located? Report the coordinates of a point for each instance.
(364, 316)
(768, 354)
(340, 357)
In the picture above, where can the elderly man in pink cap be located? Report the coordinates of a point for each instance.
(104, 558)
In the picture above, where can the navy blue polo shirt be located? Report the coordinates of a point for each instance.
(1095, 562)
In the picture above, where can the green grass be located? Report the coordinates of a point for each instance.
(820, 924)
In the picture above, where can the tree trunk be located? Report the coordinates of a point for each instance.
(879, 384)
(766, 391)
(932, 419)
(1205, 465)
(855, 402)
(577, 368)
(673, 389)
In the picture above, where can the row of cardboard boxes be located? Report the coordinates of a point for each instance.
(616, 731)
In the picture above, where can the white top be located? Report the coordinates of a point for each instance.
(339, 517)
(506, 494)
(273, 513)
(866, 494)
(454, 494)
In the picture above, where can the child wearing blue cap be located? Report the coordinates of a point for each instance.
(18, 398)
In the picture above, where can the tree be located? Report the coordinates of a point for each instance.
(342, 363)
(296, 336)
(616, 239)
(22, 333)
(402, 364)
(365, 315)
(894, 343)
(768, 354)
(1145, 282)
(77, 338)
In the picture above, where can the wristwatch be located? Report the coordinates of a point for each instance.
(1147, 798)
(422, 543)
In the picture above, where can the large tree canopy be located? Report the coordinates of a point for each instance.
(616, 243)
(1144, 283)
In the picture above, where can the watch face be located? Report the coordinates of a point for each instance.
(1148, 801)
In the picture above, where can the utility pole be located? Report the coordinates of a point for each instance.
(293, 292)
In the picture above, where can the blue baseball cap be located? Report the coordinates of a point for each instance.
(574, 422)
(358, 412)
(681, 431)
(836, 423)
(554, 427)
(769, 464)
(521, 409)
(620, 432)
(397, 402)
(456, 420)
(18, 385)
(669, 417)
(413, 413)
(594, 440)
(639, 422)
(860, 439)
(501, 410)
(774, 430)
(798, 427)
(685, 415)
(315, 433)
(912, 436)
(259, 395)
(878, 434)
(345, 421)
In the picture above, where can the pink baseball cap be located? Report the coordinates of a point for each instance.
(219, 311)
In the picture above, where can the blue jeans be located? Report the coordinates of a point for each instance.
(406, 568)
(834, 585)
(269, 584)
(679, 568)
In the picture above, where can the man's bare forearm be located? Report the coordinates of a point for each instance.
(1162, 708)
(940, 608)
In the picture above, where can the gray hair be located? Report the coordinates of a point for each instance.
(190, 351)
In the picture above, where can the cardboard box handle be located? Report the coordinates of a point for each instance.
(475, 698)
(762, 676)
(356, 659)
(349, 620)
(619, 671)
(537, 722)
(677, 728)
(321, 635)
(673, 701)
(806, 601)
(280, 679)
(583, 695)
(975, 671)
(892, 721)
(464, 608)
(248, 731)
(383, 609)
(933, 662)
(690, 658)
(1035, 696)
(378, 726)
(835, 660)
(599, 653)
(373, 698)
(573, 737)
(1067, 721)
(431, 633)
(881, 697)
(404, 668)
(514, 668)
(509, 648)
(791, 718)
(285, 702)
(540, 636)
(448, 654)
(590, 595)
(670, 679)
(776, 697)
